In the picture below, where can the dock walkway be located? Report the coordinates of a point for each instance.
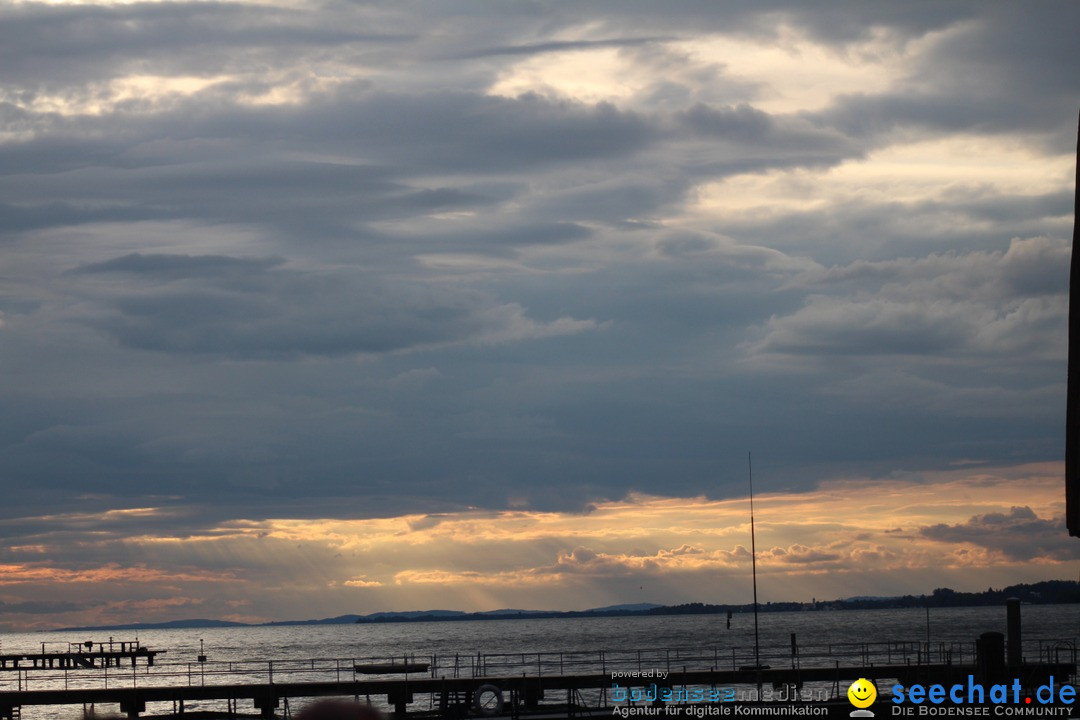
(524, 683)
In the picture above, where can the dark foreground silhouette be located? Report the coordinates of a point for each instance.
(339, 710)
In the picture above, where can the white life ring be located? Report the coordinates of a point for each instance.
(493, 706)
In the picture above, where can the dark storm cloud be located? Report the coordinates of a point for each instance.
(345, 277)
(23, 218)
(748, 126)
(178, 266)
(444, 129)
(1017, 59)
(939, 305)
(969, 221)
(46, 45)
(24, 534)
(504, 241)
(207, 177)
(41, 608)
(242, 307)
(802, 555)
(1019, 534)
(547, 47)
(448, 130)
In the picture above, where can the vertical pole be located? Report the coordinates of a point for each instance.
(1015, 644)
(753, 563)
(928, 628)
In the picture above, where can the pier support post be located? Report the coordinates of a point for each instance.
(1015, 644)
(532, 693)
(132, 708)
(266, 705)
(400, 701)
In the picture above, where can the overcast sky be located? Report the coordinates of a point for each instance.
(483, 304)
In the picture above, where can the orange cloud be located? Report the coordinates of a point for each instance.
(967, 526)
(15, 574)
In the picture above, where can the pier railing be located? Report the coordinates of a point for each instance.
(479, 665)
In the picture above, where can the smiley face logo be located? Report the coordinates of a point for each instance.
(862, 693)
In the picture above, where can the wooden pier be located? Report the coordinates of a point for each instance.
(81, 655)
(522, 690)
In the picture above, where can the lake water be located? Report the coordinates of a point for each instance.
(550, 645)
(572, 634)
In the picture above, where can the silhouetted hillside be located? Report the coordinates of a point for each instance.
(1048, 592)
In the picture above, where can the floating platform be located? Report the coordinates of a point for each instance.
(391, 668)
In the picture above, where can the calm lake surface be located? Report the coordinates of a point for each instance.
(696, 636)
(555, 635)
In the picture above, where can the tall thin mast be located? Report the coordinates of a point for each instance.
(1072, 413)
(753, 561)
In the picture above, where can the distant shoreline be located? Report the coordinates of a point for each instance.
(1050, 592)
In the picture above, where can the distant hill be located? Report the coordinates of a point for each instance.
(339, 620)
(171, 625)
(1049, 592)
(632, 607)
(415, 614)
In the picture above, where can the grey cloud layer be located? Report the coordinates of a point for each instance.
(250, 308)
(385, 289)
(1018, 534)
